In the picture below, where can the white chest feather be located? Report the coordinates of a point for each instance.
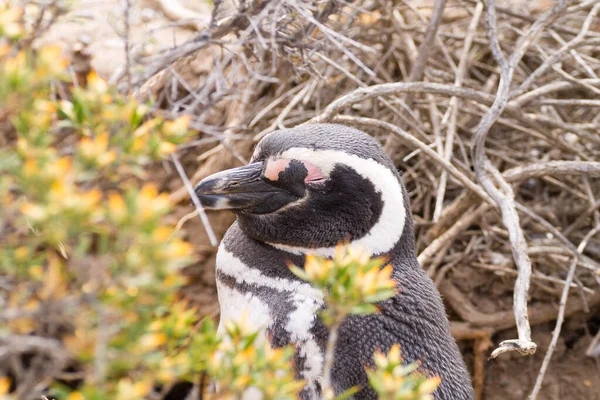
(304, 302)
(236, 306)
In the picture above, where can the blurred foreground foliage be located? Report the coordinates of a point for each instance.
(89, 305)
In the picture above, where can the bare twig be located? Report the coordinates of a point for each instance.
(127, 39)
(453, 109)
(203, 217)
(328, 392)
(505, 198)
(560, 317)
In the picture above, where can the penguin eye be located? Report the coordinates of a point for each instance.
(315, 180)
(314, 175)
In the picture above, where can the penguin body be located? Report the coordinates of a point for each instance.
(305, 190)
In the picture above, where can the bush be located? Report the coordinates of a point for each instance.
(89, 269)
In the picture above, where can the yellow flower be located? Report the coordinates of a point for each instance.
(172, 366)
(389, 382)
(54, 283)
(148, 191)
(16, 64)
(178, 249)
(245, 356)
(81, 341)
(60, 168)
(58, 190)
(4, 385)
(34, 212)
(91, 198)
(138, 144)
(106, 158)
(67, 108)
(146, 128)
(151, 341)
(93, 148)
(36, 271)
(367, 281)
(21, 253)
(177, 127)
(316, 269)
(241, 327)
(380, 359)
(156, 325)
(30, 167)
(75, 396)
(161, 234)
(96, 83)
(429, 385)
(357, 254)
(150, 203)
(394, 354)
(5, 49)
(384, 276)
(166, 148)
(172, 280)
(50, 61)
(45, 106)
(116, 207)
(10, 21)
(127, 390)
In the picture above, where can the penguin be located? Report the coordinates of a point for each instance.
(305, 190)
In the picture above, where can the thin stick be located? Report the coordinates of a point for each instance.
(127, 39)
(188, 186)
(453, 109)
(561, 316)
(329, 353)
(558, 55)
(182, 221)
(524, 345)
(383, 89)
(418, 69)
(447, 237)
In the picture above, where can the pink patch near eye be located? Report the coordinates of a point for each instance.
(314, 173)
(274, 167)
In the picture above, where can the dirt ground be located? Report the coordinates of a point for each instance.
(98, 25)
(571, 375)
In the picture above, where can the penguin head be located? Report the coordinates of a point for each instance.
(312, 187)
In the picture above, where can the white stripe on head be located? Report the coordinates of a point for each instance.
(387, 231)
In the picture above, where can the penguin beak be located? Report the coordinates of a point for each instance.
(242, 188)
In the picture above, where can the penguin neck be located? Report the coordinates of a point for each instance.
(402, 255)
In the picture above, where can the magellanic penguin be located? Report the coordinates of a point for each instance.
(305, 190)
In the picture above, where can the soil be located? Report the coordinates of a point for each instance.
(571, 375)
